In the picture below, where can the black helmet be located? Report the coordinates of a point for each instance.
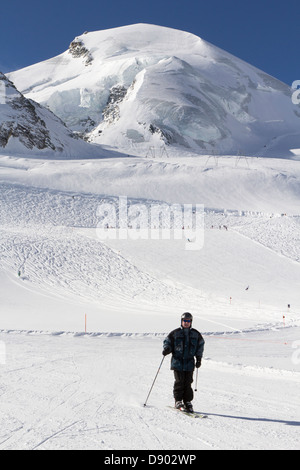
(187, 316)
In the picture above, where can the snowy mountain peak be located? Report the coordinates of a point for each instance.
(116, 86)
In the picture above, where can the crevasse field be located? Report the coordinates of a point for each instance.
(82, 319)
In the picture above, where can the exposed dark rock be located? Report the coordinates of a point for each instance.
(24, 120)
(111, 112)
(77, 49)
(165, 135)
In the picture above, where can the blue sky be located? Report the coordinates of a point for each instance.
(261, 32)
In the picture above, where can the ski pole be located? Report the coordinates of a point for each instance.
(196, 380)
(154, 381)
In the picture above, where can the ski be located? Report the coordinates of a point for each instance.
(191, 414)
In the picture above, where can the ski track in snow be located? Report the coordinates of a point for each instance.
(40, 238)
(88, 393)
(82, 267)
(57, 210)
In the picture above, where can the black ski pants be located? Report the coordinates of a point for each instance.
(183, 386)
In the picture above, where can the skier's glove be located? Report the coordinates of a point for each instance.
(166, 351)
(198, 362)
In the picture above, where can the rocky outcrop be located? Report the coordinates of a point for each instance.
(111, 112)
(22, 120)
(77, 49)
(28, 125)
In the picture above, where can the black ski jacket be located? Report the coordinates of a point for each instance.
(185, 344)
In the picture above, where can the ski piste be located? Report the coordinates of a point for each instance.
(191, 414)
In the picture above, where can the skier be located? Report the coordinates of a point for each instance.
(185, 343)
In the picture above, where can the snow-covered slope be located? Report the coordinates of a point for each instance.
(64, 388)
(143, 85)
(27, 128)
(246, 184)
(71, 392)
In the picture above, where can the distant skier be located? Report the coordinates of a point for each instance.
(185, 344)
